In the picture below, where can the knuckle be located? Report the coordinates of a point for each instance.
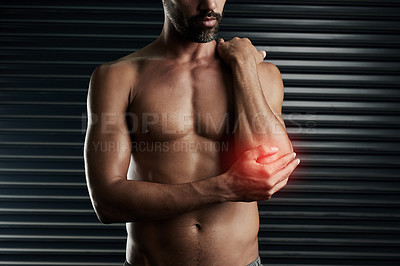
(268, 172)
(260, 149)
(248, 154)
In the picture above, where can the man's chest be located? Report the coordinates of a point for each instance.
(171, 103)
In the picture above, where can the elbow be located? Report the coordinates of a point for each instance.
(108, 212)
(104, 202)
(281, 141)
(103, 213)
(99, 205)
(103, 217)
(107, 217)
(277, 137)
(284, 144)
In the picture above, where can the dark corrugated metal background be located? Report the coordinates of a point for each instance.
(340, 61)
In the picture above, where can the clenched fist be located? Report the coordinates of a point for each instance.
(239, 50)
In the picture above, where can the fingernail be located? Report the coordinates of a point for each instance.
(264, 53)
(298, 161)
(294, 154)
(274, 149)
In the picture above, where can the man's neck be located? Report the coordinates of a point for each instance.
(177, 46)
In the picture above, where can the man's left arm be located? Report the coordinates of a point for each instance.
(258, 94)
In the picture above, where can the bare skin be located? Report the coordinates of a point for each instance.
(182, 161)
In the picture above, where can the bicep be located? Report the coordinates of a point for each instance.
(107, 155)
(107, 144)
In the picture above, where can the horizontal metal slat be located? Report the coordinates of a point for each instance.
(340, 79)
(329, 52)
(330, 228)
(333, 133)
(310, 25)
(337, 94)
(312, 11)
(44, 263)
(369, 3)
(328, 256)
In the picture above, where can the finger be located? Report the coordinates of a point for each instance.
(263, 54)
(279, 186)
(220, 40)
(260, 151)
(281, 162)
(268, 159)
(267, 151)
(287, 171)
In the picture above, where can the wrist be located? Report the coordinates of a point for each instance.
(244, 70)
(211, 190)
(243, 63)
(224, 188)
(245, 77)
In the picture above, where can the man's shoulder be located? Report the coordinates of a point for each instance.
(127, 66)
(270, 70)
(122, 72)
(120, 77)
(113, 80)
(119, 68)
(270, 76)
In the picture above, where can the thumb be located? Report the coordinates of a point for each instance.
(260, 152)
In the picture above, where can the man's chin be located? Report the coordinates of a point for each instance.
(204, 37)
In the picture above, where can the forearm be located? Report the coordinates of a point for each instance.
(256, 123)
(130, 201)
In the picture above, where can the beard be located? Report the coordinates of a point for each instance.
(193, 29)
(197, 32)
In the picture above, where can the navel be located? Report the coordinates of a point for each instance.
(198, 226)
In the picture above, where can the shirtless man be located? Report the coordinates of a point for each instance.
(192, 137)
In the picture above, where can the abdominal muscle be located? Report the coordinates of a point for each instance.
(220, 234)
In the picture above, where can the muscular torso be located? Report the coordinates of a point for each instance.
(181, 120)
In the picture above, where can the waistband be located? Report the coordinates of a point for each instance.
(257, 262)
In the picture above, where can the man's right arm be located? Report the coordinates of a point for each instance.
(107, 157)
